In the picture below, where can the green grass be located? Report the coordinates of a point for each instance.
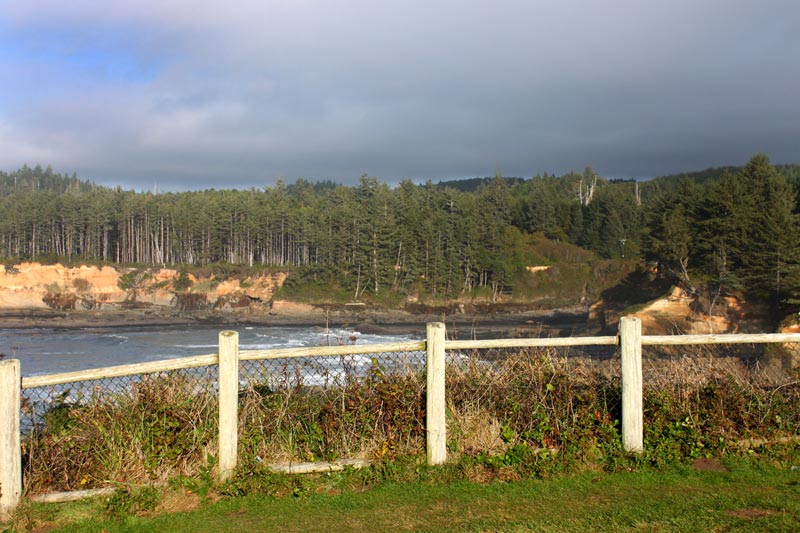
(750, 496)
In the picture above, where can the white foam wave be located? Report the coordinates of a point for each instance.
(270, 345)
(196, 346)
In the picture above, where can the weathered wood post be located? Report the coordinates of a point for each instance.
(10, 458)
(630, 338)
(436, 428)
(228, 403)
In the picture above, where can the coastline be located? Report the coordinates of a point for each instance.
(528, 323)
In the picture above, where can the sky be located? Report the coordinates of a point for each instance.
(193, 94)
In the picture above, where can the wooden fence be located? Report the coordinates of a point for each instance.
(630, 340)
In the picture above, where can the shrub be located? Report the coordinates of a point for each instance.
(132, 280)
(81, 284)
(182, 281)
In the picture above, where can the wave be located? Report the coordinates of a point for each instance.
(196, 346)
(270, 345)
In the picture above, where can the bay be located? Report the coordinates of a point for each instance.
(48, 350)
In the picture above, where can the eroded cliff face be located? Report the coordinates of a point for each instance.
(680, 313)
(36, 286)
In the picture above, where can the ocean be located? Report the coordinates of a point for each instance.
(48, 351)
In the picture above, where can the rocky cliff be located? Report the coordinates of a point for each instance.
(36, 286)
(681, 313)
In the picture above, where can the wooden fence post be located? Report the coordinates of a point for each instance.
(630, 339)
(436, 425)
(228, 403)
(10, 458)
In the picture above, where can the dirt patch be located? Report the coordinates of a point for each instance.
(287, 307)
(751, 513)
(708, 465)
(178, 501)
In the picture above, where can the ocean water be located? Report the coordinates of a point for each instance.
(47, 351)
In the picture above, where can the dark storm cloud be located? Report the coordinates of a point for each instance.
(189, 94)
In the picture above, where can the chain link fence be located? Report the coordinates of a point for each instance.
(326, 408)
(156, 426)
(508, 405)
(499, 399)
(765, 363)
(127, 429)
(328, 371)
(703, 401)
(152, 427)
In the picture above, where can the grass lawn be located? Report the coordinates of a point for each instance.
(745, 497)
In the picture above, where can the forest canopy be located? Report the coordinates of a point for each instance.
(730, 229)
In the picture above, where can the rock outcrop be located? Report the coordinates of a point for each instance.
(36, 286)
(681, 313)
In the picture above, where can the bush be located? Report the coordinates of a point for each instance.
(81, 284)
(133, 279)
(182, 282)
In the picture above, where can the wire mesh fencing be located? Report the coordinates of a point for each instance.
(155, 426)
(705, 400)
(532, 397)
(328, 371)
(761, 363)
(152, 427)
(331, 407)
(130, 429)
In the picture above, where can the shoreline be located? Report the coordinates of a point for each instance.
(553, 322)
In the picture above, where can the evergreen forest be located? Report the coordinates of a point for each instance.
(725, 229)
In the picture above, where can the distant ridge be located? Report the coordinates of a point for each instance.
(473, 184)
(791, 171)
(42, 179)
(38, 178)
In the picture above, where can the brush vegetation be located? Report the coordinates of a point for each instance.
(525, 414)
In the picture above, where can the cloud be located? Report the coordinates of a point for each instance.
(14, 149)
(201, 94)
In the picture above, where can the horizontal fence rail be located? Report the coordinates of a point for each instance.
(531, 343)
(732, 338)
(228, 381)
(120, 371)
(330, 351)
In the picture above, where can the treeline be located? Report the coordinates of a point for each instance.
(735, 228)
(740, 231)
